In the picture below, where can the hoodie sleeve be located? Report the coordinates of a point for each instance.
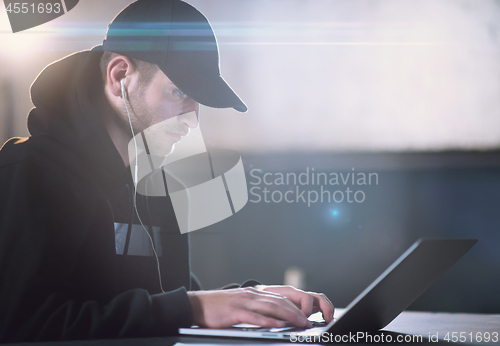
(56, 266)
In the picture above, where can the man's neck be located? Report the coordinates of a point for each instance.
(118, 131)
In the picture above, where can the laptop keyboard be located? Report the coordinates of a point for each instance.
(285, 329)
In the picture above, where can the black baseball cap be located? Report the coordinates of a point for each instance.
(179, 39)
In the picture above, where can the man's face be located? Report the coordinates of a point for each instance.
(165, 113)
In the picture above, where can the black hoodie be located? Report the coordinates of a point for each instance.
(63, 192)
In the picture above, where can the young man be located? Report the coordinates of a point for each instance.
(67, 190)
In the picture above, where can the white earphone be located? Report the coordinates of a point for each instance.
(123, 89)
(124, 97)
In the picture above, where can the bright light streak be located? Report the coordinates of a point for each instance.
(337, 43)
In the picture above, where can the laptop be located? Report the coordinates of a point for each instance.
(380, 303)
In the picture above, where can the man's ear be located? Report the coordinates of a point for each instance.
(119, 68)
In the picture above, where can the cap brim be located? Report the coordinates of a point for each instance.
(209, 90)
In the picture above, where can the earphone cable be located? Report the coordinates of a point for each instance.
(135, 185)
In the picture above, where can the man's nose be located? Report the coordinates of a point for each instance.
(190, 118)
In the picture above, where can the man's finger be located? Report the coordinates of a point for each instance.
(272, 294)
(306, 303)
(244, 316)
(278, 308)
(324, 304)
(301, 299)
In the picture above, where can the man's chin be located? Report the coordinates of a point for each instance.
(163, 152)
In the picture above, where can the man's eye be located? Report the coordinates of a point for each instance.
(178, 94)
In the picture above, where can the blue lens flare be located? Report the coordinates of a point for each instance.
(334, 212)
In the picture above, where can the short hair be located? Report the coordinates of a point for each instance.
(146, 70)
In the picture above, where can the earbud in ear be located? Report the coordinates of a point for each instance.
(123, 89)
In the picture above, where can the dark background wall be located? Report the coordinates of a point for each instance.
(447, 194)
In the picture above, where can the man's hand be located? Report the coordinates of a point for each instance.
(307, 302)
(224, 308)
